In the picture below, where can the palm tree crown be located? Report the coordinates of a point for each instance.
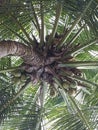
(48, 65)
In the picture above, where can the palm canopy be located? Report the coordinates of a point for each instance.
(67, 97)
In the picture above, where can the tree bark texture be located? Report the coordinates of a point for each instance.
(14, 48)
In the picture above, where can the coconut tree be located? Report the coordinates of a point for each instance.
(48, 65)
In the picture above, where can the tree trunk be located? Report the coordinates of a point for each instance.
(14, 48)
